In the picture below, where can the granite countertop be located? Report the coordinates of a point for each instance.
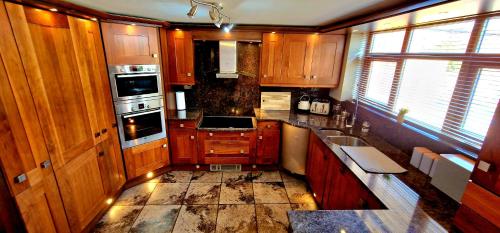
(189, 114)
(402, 214)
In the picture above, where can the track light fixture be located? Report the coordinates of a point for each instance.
(215, 13)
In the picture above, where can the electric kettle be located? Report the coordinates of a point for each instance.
(304, 103)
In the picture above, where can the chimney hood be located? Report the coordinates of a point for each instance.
(228, 59)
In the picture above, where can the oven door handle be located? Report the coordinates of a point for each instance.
(142, 113)
(135, 75)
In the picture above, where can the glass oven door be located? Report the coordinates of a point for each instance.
(140, 125)
(135, 85)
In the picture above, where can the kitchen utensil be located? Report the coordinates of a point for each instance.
(304, 103)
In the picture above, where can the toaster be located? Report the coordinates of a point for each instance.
(320, 106)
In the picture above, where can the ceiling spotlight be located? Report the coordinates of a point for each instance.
(219, 22)
(213, 14)
(192, 11)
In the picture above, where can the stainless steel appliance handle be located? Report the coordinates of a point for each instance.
(135, 75)
(142, 113)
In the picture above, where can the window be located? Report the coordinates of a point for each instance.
(440, 73)
(380, 81)
(388, 42)
(447, 38)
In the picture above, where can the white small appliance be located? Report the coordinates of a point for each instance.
(180, 100)
(320, 106)
(304, 103)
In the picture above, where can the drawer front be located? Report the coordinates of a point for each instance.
(227, 147)
(178, 124)
(213, 135)
(268, 125)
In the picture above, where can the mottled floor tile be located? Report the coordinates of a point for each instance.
(206, 177)
(298, 192)
(196, 219)
(118, 219)
(270, 193)
(272, 217)
(304, 206)
(230, 177)
(236, 193)
(137, 195)
(156, 218)
(174, 177)
(202, 193)
(168, 194)
(266, 176)
(287, 177)
(236, 218)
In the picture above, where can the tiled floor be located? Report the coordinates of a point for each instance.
(185, 201)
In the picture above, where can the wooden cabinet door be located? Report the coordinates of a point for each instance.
(111, 174)
(81, 189)
(130, 44)
(316, 170)
(268, 142)
(144, 158)
(297, 58)
(271, 58)
(47, 52)
(183, 144)
(327, 60)
(180, 57)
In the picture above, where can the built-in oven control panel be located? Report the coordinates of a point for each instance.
(125, 107)
(128, 69)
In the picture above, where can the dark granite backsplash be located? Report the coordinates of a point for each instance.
(233, 96)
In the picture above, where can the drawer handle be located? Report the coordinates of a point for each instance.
(20, 178)
(98, 134)
(101, 153)
(45, 164)
(242, 151)
(211, 151)
(210, 134)
(181, 125)
(188, 74)
(260, 137)
(191, 137)
(164, 145)
(268, 126)
(242, 134)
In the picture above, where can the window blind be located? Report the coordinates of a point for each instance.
(447, 75)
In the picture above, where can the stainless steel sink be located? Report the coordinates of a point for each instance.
(331, 132)
(347, 141)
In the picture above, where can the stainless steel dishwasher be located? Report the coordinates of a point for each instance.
(295, 141)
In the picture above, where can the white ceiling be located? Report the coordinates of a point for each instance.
(269, 12)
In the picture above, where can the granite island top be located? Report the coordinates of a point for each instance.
(403, 213)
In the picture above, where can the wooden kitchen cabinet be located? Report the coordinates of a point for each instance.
(228, 147)
(268, 142)
(144, 158)
(271, 58)
(316, 167)
(183, 143)
(301, 60)
(180, 57)
(130, 44)
(109, 166)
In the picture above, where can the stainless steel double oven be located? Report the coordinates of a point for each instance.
(138, 97)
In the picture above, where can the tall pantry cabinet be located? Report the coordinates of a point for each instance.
(56, 119)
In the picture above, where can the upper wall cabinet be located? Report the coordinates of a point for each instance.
(130, 44)
(180, 57)
(301, 60)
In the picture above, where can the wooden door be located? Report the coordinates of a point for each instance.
(297, 58)
(130, 44)
(268, 142)
(109, 166)
(271, 58)
(47, 52)
(327, 60)
(92, 67)
(144, 158)
(317, 165)
(183, 144)
(181, 57)
(81, 189)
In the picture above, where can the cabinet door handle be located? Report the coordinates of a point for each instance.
(181, 125)
(45, 164)
(103, 131)
(305, 76)
(114, 125)
(260, 137)
(192, 137)
(268, 126)
(20, 178)
(188, 74)
(155, 55)
(242, 151)
(98, 134)
(265, 75)
(164, 145)
(314, 77)
(211, 151)
(101, 153)
(242, 134)
(210, 134)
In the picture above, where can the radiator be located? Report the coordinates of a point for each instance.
(452, 174)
